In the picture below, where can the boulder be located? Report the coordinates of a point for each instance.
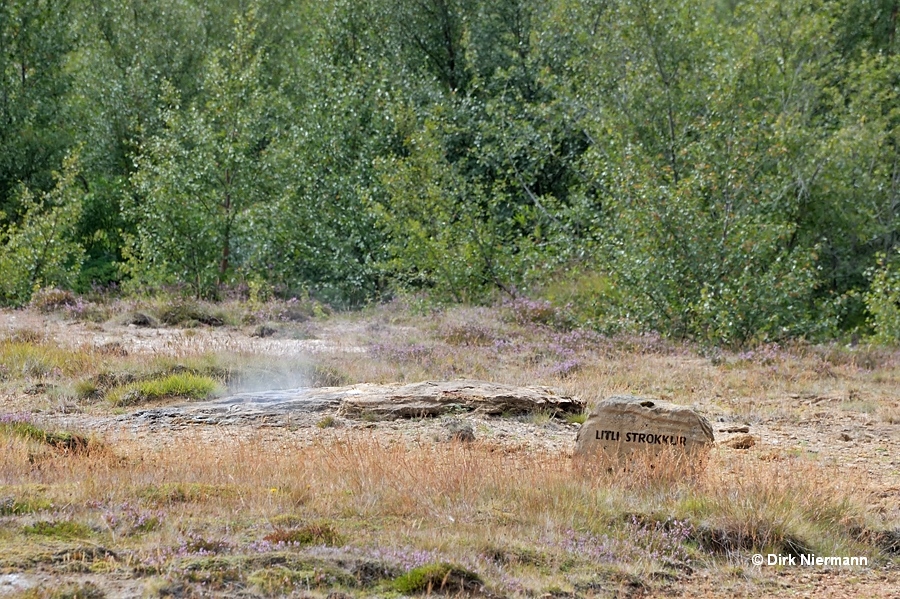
(621, 428)
(459, 430)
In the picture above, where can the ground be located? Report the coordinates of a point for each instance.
(323, 504)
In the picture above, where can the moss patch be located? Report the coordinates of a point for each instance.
(437, 578)
(22, 428)
(58, 529)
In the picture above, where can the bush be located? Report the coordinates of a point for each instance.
(49, 300)
(189, 313)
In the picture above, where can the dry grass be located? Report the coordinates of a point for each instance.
(478, 505)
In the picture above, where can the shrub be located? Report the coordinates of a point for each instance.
(189, 313)
(51, 299)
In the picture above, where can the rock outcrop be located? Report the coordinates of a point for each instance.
(436, 398)
(371, 402)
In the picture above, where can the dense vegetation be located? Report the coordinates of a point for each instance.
(722, 170)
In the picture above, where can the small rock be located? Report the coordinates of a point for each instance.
(740, 442)
(139, 319)
(263, 331)
(735, 429)
(37, 389)
(459, 430)
(113, 348)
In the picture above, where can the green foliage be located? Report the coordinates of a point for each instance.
(36, 124)
(710, 158)
(883, 299)
(722, 171)
(443, 235)
(40, 250)
(200, 177)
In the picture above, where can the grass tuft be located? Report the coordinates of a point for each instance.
(174, 386)
(576, 418)
(326, 422)
(28, 358)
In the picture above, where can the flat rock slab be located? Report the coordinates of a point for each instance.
(622, 427)
(435, 398)
(381, 402)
